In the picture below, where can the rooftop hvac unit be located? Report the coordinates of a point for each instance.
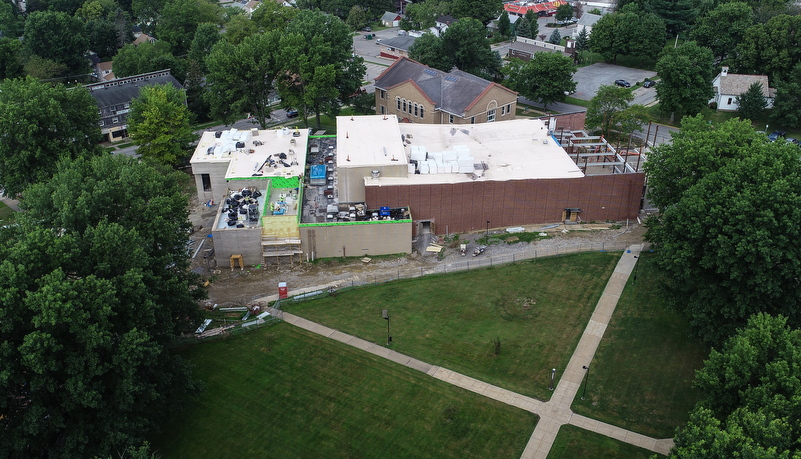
(254, 132)
(545, 141)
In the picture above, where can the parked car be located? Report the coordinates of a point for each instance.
(291, 113)
(774, 136)
(367, 29)
(791, 140)
(648, 84)
(623, 83)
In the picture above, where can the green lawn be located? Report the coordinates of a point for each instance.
(641, 377)
(573, 442)
(538, 310)
(283, 392)
(6, 214)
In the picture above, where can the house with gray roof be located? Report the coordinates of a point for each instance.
(114, 100)
(390, 19)
(585, 22)
(417, 93)
(396, 47)
(728, 86)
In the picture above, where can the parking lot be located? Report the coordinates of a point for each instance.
(591, 78)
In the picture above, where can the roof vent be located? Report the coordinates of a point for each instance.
(375, 173)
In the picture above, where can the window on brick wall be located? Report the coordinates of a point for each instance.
(422, 109)
(491, 116)
(450, 118)
(398, 100)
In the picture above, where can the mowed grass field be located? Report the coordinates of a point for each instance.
(572, 442)
(642, 376)
(536, 309)
(281, 392)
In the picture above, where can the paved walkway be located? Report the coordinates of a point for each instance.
(554, 413)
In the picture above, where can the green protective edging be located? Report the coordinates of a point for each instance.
(267, 199)
(324, 136)
(300, 203)
(248, 178)
(304, 225)
(285, 182)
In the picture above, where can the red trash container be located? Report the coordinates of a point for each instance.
(282, 293)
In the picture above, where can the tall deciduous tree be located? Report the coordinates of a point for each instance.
(752, 102)
(563, 12)
(482, 10)
(504, 25)
(545, 78)
(57, 37)
(771, 49)
(787, 104)
(423, 15)
(240, 77)
(95, 284)
(465, 46)
(10, 58)
(606, 39)
(723, 28)
(147, 57)
(317, 69)
(751, 405)
(159, 124)
(273, 16)
(726, 234)
(686, 76)
(239, 28)
(179, 21)
(41, 124)
(605, 105)
(206, 36)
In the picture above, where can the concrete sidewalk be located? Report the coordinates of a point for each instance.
(554, 413)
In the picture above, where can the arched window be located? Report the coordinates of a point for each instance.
(422, 109)
(415, 109)
(404, 105)
(398, 100)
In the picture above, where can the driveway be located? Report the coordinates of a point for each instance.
(591, 78)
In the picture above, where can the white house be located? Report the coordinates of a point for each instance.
(730, 85)
(585, 22)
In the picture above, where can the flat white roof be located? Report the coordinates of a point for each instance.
(510, 150)
(257, 155)
(371, 140)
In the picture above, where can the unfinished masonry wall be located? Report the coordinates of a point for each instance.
(356, 239)
(237, 241)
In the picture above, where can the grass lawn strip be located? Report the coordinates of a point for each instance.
(6, 214)
(574, 442)
(284, 392)
(537, 309)
(641, 376)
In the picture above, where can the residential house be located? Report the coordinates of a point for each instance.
(443, 22)
(251, 6)
(104, 71)
(585, 22)
(396, 47)
(730, 85)
(417, 93)
(391, 19)
(493, 25)
(143, 38)
(114, 100)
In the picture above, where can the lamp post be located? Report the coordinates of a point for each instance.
(553, 376)
(634, 281)
(488, 231)
(586, 379)
(385, 314)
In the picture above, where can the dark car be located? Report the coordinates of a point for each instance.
(623, 83)
(648, 84)
(774, 136)
(367, 29)
(291, 113)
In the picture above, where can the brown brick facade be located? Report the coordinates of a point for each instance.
(467, 206)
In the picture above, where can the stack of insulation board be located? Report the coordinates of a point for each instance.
(464, 159)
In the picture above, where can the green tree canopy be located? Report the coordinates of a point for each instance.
(147, 57)
(723, 28)
(239, 28)
(582, 40)
(464, 46)
(605, 105)
(605, 38)
(555, 37)
(11, 24)
(787, 103)
(357, 18)
(180, 19)
(726, 235)
(771, 49)
(523, 28)
(240, 77)
(95, 284)
(686, 76)
(504, 25)
(752, 102)
(545, 78)
(58, 37)
(481, 10)
(41, 124)
(273, 16)
(678, 15)
(206, 36)
(751, 404)
(10, 58)
(563, 12)
(159, 124)
(423, 15)
(629, 31)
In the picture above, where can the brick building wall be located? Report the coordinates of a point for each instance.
(467, 206)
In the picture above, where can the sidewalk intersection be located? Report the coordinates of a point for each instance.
(553, 413)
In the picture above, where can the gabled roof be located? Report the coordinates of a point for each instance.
(447, 19)
(142, 38)
(389, 16)
(588, 19)
(736, 84)
(452, 92)
(401, 42)
(124, 93)
(104, 66)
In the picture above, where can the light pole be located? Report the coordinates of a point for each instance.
(385, 313)
(488, 231)
(586, 379)
(634, 281)
(553, 376)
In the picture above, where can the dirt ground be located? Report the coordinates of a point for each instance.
(241, 287)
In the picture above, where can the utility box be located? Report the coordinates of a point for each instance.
(282, 291)
(318, 175)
